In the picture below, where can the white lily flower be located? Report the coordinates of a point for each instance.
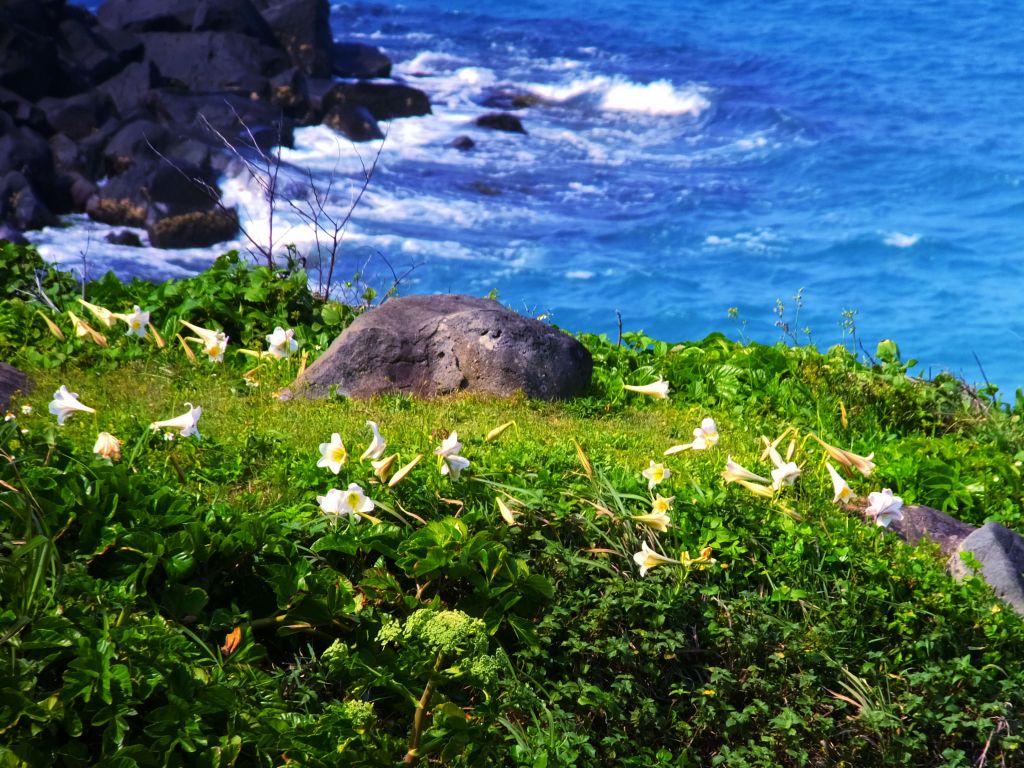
(862, 464)
(216, 347)
(206, 336)
(382, 467)
(348, 502)
(108, 446)
(281, 343)
(449, 446)
(659, 521)
(333, 454)
(102, 314)
(884, 507)
(137, 322)
(705, 436)
(65, 404)
(660, 504)
(764, 491)
(377, 445)
(703, 559)
(186, 424)
(656, 473)
(657, 389)
(84, 330)
(453, 465)
(647, 558)
(785, 474)
(734, 473)
(843, 492)
(506, 513)
(400, 475)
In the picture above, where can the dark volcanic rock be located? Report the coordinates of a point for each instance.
(1001, 554)
(187, 16)
(385, 101)
(194, 230)
(215, 61)
(505, 99)
(77, 116)
(239, 119)
(128, 88)
(151, 190)
(439, 344)
(9, 234)
(501, 121)
(124, 237)
(11, 381)
(924, 523)
(355, 122)
(98, 52)
(302, 28)
(20, 204)
(358, 60)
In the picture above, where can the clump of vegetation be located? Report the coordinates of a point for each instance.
(488, 583)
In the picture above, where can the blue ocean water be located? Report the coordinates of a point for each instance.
(685, 158)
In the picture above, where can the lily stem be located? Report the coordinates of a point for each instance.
(419, 719)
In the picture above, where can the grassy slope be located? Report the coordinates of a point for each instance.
(814, 640)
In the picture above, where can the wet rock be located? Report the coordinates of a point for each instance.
(199, 229)
(1001, 554)
(505, 99)
(501, 121)
(289, 92)
(354, 122)
(239, 119)
(463, 143)
(385, 101)
(138, 140)
(116, 211)
(9, 234)
(439, 344)
(358, 60)
(124, 237)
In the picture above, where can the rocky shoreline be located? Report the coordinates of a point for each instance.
(117, 114)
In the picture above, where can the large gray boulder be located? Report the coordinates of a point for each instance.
(438, 344)
(928, 524)
(12, 381)
(1001, 554)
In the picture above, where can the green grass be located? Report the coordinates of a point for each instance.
(191, 605)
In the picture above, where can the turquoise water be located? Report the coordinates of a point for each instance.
(686, 158)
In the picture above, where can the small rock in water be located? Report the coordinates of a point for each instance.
(501, 121)
(463, 143)
(124, 237)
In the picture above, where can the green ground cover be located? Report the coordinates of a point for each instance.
(190, 603)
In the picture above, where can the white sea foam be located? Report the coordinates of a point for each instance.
(430, 62)
(617, 94)
(579, 274)
(900, 240)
